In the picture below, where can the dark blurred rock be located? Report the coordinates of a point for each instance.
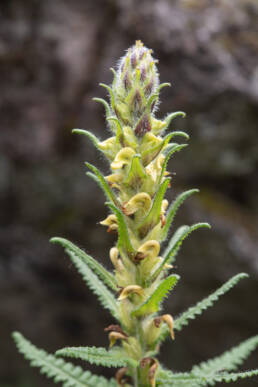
(52, 57)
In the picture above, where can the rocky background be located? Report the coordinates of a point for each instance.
(53, 54)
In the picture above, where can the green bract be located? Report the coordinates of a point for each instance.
(138, 153)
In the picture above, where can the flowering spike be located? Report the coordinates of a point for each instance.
(138, 156)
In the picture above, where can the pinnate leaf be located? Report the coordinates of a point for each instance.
(210, 379)
(173, 210)
(100, 179)
(57, 369)
(175, 244)
(192, 312)
(98, 269)
(106, 298)
(230, 360)
(178, 238)
(93, 355)
(178, 379)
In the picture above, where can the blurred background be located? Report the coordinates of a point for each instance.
(53, 54)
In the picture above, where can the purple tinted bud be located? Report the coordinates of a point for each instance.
(137, 100)
(127, 82)
(133, 60)
(122, 64)
(148, 88)
(142, 52)
(143, 74)
(143, 126)
(136, 81)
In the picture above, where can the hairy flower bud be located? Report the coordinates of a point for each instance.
(114, 257)
(121, 377)
(151, 364)
(123, 157)
(110, 222)
(139, 201)
(134, 88)
(129, 290)
(149, 249)
(114, 336)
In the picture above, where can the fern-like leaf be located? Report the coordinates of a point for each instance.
(95, 284)
(178, 379)
(98, 269)
(57, 369)
(192, 312)
(101, 181)
(151, 305)
(210, 380)
(175, 244)
(173, 210)
(93, 355)
(124, 242)
(192, 380)
(230, 360)
(178, 238)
